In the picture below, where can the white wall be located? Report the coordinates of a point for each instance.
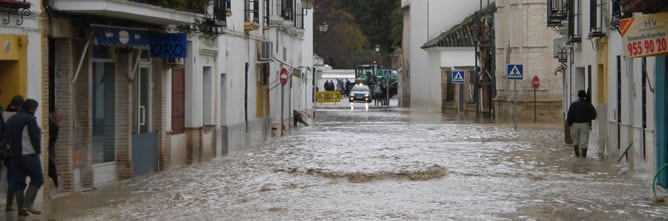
(307, 57)
(31, 28)
(428, 19)
(458, 57)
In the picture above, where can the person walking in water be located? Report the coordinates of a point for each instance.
(13, 107)
(24, 136)
(579, 117)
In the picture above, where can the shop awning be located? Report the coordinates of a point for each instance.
(162, 45)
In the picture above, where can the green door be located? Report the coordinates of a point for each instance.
(661, 119)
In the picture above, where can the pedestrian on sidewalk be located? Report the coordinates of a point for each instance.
(25, 140)
(54, 127)
(579, 117)
(13, 107)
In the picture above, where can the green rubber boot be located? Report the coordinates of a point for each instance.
(10, 199)
(30, 196)
(584, 152)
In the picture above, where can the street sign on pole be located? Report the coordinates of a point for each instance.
(535, 83)
(515, 71)
(283, 76)
(458, 77)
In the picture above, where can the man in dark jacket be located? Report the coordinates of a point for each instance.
(580, 115)
(14, 106)
(25, 139)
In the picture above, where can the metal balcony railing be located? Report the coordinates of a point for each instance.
(14, 11)
(557, 11)
(195, 6)
(222, 9)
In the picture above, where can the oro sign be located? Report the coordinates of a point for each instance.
(283, 76)
(535, 82)
(645, 35)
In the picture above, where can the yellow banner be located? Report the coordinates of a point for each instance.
(328, 96)
(645, 35)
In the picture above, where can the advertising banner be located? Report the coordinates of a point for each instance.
(645, 35)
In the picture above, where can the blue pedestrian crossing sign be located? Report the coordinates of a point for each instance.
(458, 77)
(387, 73)
(515, 71)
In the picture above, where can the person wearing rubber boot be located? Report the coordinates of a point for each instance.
(579, 117)
(13, 107)
(24, 137)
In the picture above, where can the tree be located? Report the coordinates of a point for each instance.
(365, 23)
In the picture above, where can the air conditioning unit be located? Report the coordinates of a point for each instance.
(265, 51)
(176, 61)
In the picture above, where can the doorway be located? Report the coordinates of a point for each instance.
(144, 139)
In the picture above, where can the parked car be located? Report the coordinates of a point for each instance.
(360, 93)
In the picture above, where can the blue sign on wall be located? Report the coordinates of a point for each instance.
(515, 71)
(458, 77)
(169, 45)
(118, 37)
(162, 45)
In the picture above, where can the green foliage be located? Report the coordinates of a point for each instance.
(360, 25)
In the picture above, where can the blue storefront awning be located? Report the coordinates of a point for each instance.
(162, 45)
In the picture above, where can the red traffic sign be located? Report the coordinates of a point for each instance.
(535, 82)
(284, 76)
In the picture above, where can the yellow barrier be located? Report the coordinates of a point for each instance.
(328, 96)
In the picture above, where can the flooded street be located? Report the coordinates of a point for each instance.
(382, 165)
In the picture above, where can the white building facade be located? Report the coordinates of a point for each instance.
(426, 20)
(626, 89)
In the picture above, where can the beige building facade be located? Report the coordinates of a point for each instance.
(522, 37)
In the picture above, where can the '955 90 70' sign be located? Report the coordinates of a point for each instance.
(646, 47)
(645, 35)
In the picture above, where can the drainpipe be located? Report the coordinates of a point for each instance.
(246, 98)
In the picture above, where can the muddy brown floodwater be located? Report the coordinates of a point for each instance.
(380, 164)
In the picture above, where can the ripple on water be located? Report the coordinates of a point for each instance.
(419, 174)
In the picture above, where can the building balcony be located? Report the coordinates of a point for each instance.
(129, 10)
(14, 4)
(10, 9)
(644, 6)
(557, 11)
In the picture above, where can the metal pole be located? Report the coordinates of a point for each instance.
(387, 90)
(515, 103)
(313, 93)
(534, 106)
(290, 102)
(282, 107)
(461, 99)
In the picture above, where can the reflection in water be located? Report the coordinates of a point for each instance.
(383, 164)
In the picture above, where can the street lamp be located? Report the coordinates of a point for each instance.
(375, 61)
(323, 27)
(562, 55)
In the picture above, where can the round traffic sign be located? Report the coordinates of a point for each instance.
(283, 76)
(535, 82)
